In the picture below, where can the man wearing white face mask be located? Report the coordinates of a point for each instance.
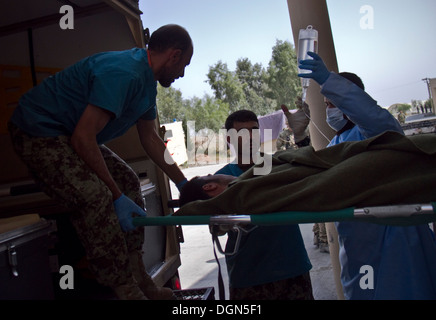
(358, 116)
(345, 93)
(396, 255)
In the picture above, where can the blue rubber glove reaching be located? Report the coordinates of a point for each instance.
(125, 209)
(319, 72)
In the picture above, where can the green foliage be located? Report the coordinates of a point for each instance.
(226, 86)
(250, 86)
(404, 107)
(255, 88)
(170, 104)
(207, 112)
(429, 105)
(283, 81)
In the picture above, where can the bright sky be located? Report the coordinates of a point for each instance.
(392, 58)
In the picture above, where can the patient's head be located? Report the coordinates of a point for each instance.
(205, 187)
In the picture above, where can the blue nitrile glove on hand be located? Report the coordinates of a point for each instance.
(319, 72)
(125, 208)
(181, 184)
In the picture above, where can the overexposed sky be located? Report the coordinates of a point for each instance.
(392, 57)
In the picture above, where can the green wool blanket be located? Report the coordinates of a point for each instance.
(389, 169)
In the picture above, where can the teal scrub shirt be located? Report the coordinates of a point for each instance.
(121, 82)
(266, 253)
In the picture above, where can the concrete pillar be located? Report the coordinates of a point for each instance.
(302, 14)
(315, 13)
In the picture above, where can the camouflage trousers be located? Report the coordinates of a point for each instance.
(320, 232)
(297, 288)
(64, 176)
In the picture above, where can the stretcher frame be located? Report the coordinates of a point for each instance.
(411, 214)
(403, 215)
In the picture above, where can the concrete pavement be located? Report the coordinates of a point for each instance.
(199, 268)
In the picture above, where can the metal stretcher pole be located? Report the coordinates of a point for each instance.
(275, 218)
(395, 211)
(400, 214)
(297, 217)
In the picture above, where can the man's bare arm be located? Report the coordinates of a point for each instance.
(84, 141)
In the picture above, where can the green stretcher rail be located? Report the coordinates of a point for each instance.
(401, 215)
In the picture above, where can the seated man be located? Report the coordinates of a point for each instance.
(372, 172)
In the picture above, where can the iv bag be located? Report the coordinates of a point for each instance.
(307, 41)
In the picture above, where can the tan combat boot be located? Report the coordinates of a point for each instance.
(129, 291)
(145, 282)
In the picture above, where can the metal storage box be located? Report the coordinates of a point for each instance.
(24, 259)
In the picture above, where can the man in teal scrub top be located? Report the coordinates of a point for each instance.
(271, 262)
(59, 129)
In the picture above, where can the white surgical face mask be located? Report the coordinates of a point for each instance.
(335, 119)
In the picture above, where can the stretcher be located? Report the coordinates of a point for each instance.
(401, 215)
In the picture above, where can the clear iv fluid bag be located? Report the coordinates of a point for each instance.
(307, 41)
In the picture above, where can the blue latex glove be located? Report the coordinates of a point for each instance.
(125, 209)
(181, 184)
(319, 72)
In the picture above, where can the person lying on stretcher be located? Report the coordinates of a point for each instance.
(384, 170)
(387, 169)
(205, 187)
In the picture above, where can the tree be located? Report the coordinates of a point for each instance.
(243, 88)
(226, 86)
(252, 87)
(252, 77)
(283, 81)
(404, 107)
(428, 105)
(170, 104)
(208, 113)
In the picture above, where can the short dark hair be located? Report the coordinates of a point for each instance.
(353, 78)
(170, 36)
(240, 116)
(193, 191)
